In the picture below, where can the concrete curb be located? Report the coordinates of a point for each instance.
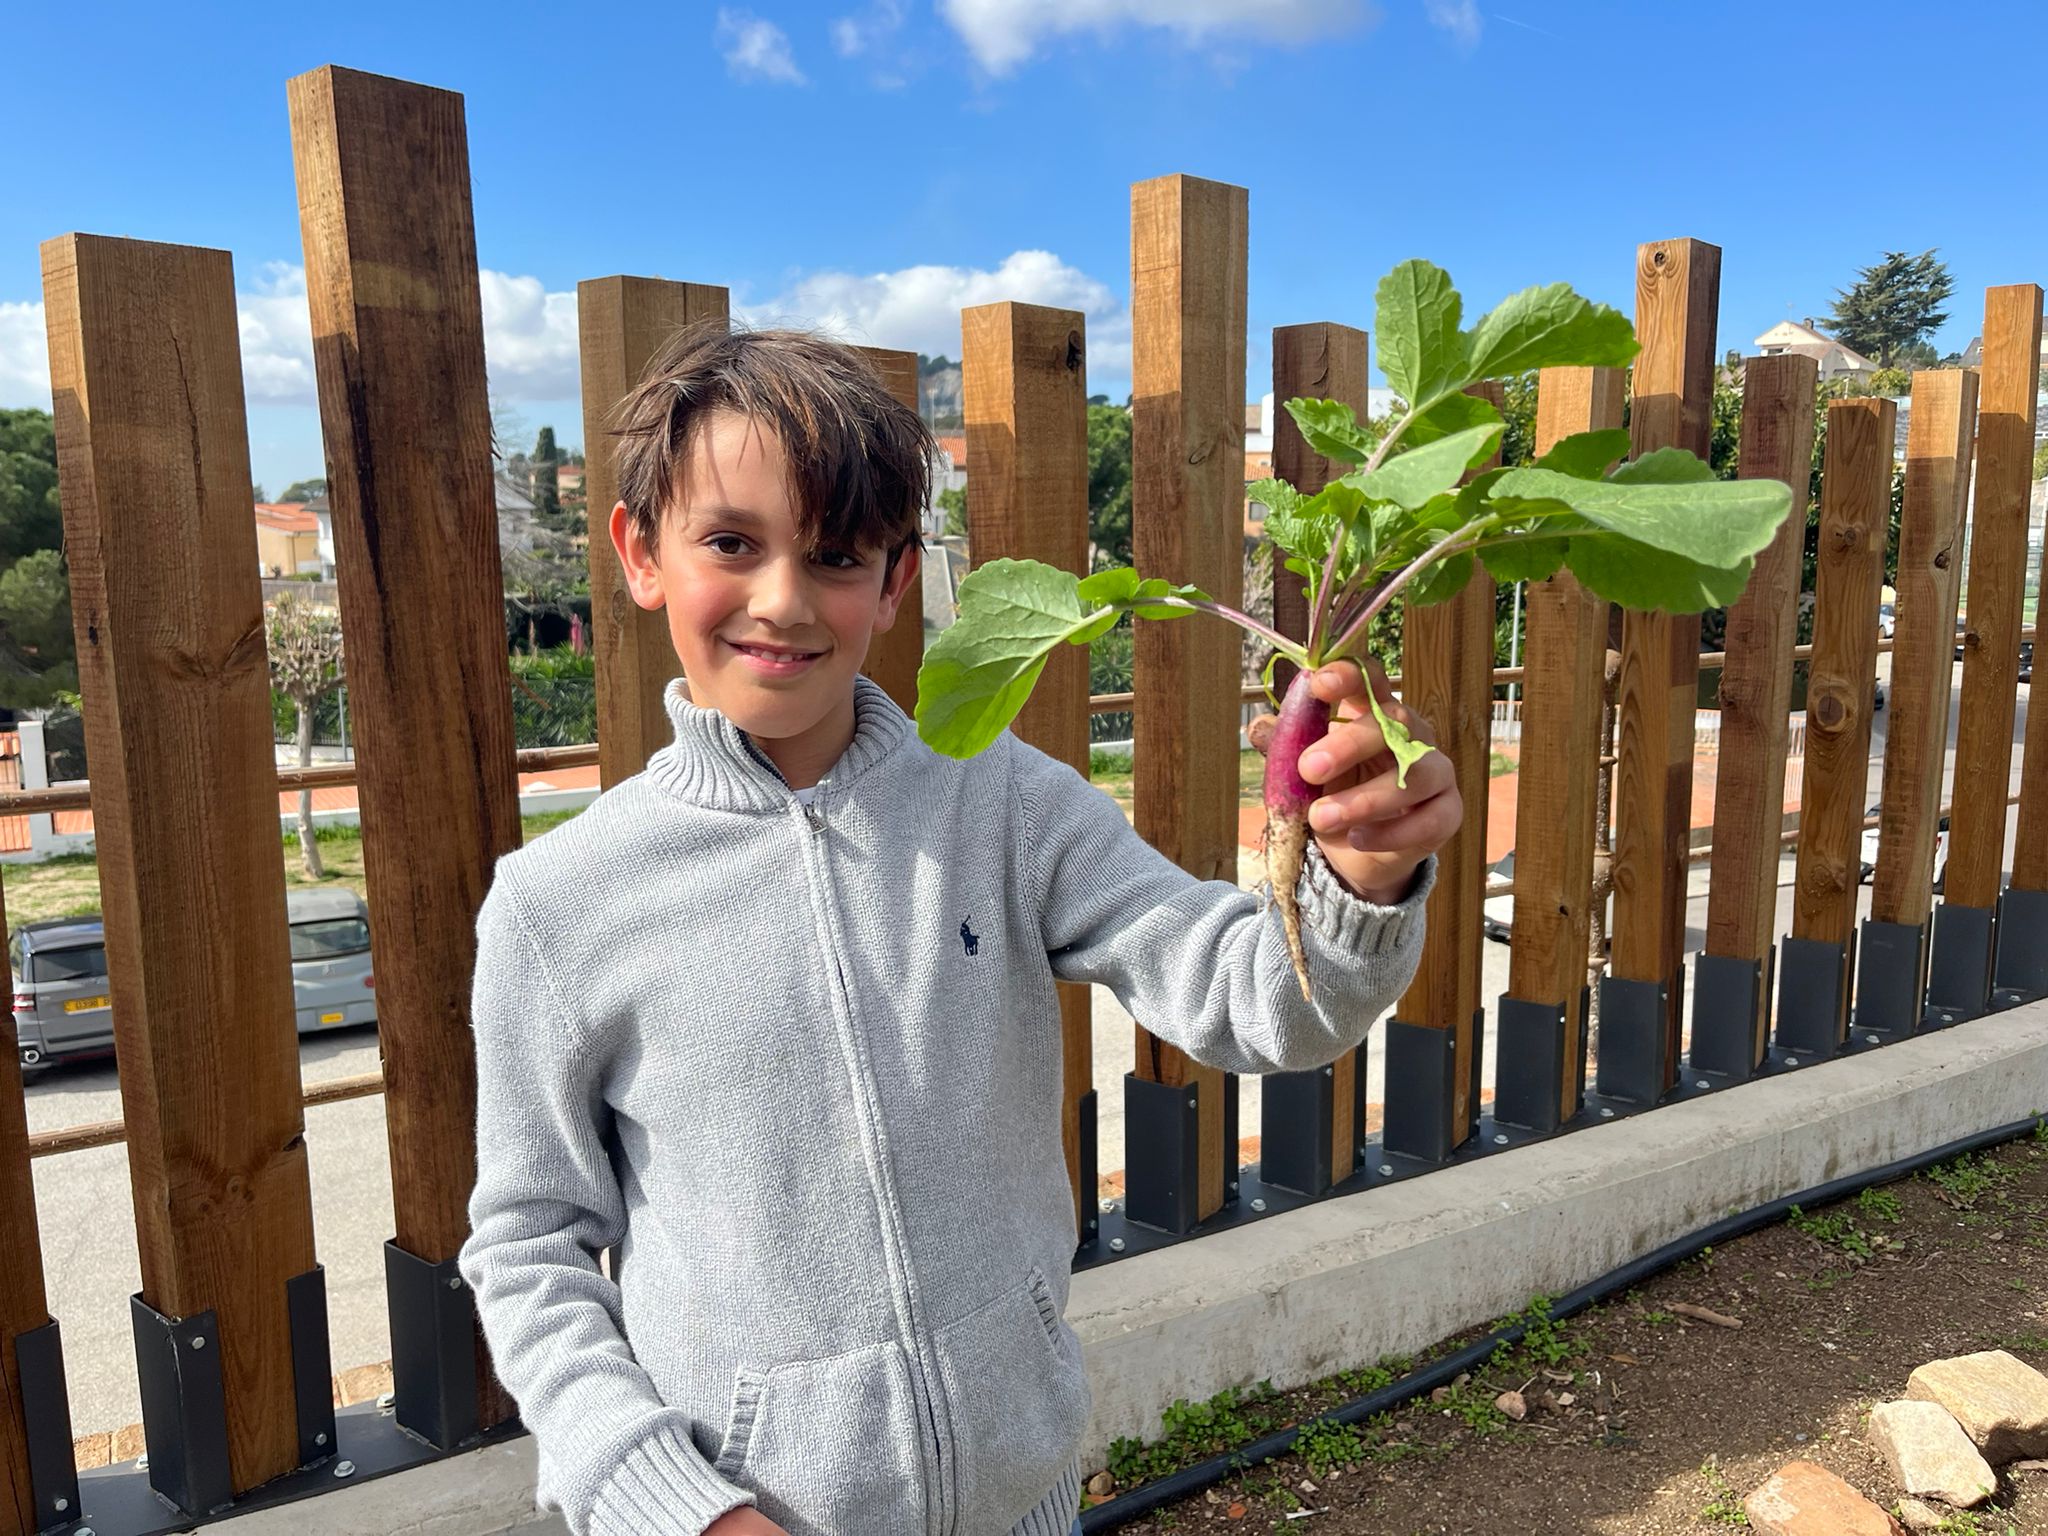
(1348, 1281)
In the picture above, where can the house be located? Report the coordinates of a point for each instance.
(1836, 360)
(515, 514)
(287, 539)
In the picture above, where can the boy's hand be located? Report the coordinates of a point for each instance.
(744, 1521)
(1374, 833)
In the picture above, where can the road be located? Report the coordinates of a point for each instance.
(83, 1198)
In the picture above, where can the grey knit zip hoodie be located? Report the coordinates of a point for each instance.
(802, 1065)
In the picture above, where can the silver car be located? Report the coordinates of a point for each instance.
(63, 1004)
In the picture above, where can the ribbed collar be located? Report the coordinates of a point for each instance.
(712, 762)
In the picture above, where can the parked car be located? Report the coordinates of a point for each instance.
(63, 1002)
(1869, 859)
(1887, 620)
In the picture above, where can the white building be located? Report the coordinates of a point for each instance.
(1836, 360)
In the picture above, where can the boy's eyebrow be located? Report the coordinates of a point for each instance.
(724, 514)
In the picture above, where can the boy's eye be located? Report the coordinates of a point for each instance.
(840, 559)
(718, 541)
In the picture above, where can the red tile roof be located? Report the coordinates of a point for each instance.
(286, 517)
(955, 448)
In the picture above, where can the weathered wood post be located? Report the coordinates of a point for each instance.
(621, 322)
(1891, 979)
(1436, 1032)
(1642, 1001)
(1733, 982)
(1024, 374)
(1818, 957)
(1540, 1058)
(895, 656)
(153, 455)
(398, 350)
(1311, 1124)
(1188, 265)
(38, 1472)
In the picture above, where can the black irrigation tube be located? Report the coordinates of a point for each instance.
(1176, 1486)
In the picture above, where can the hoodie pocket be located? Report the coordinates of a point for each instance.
(830, 1447)
(1019, 1399)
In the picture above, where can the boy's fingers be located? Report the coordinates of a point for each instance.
(1380, 799)
(1359, 743)
(1422, 829)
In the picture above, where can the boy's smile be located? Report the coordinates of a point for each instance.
(769, 635)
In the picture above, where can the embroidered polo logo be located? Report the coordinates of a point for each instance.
(969, 938)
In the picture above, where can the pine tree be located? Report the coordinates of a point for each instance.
(1892, 305)
(547, 498)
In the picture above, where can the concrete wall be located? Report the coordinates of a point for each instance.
(1348, 1281)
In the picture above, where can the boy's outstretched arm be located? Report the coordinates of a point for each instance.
(1203, 964)
(614, 1458)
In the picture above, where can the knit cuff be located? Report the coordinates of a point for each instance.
(663, 1487)
(1347, 921)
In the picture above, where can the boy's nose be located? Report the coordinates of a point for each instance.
(781, 596)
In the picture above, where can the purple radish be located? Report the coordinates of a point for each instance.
(1304, 721)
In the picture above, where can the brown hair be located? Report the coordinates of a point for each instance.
(859, 459)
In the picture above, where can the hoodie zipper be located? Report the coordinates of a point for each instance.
(935, 1517)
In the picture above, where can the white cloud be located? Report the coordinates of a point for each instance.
(917, 309)
(24, 356)
(1002, 34)
(856, 35)
(530, 347)
(756, 49)
(1460, 18)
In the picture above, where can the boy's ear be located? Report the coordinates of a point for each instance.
(643, 575)
(907, 566)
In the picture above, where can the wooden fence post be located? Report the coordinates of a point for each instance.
(1960, 979)
(1817, 958)
(1435, 1034)
(38, 1471)
(1891, 982)
(398, 348)
(1188, 263)
(621, 322)
(1025, 387)
(1311, 1124)
(895, 656)
(2021, 972)
(1540, 1059)
(1733, 982)
(1642, 1002)
(153, 469)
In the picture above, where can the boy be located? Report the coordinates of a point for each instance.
(777, 1016)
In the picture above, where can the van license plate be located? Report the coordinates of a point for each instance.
(80, 1004)
(331, 1018)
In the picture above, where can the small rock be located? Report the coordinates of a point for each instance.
(1102, 1485)
(1513, 1405)
(1307, 1486)
(2031, 1464)
(2001, 1402)
(1929, 1453)
(1566, 1399)
(1921, 1517)
(1801, 1499)
(1440, 1395)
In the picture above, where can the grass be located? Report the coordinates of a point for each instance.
(70, 886)
(1725, 1508)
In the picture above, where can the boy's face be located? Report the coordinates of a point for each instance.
(768, 638)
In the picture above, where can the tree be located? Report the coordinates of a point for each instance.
(547, 496)
(305, 666)
(542, 580)
(1891, 382)
(1109, 486)
(953, 502)
(257, 493)
(38, 656)
(304, 490)
(1892, 305)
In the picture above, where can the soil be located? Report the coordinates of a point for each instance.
(1671, 1421)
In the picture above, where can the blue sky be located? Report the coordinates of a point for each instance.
(875, 164)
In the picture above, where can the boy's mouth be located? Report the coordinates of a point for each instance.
(775, 658)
